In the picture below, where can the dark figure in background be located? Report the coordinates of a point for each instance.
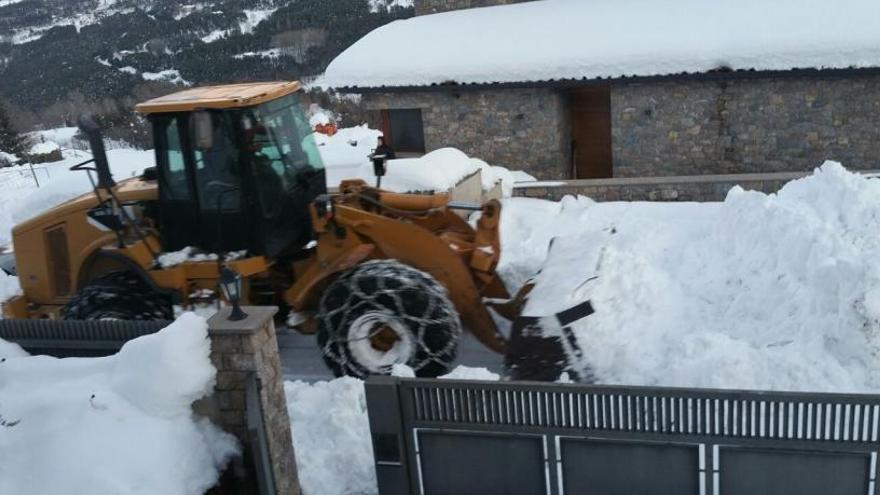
(380, 155)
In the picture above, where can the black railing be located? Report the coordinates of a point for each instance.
(73, 338)
(439, 436)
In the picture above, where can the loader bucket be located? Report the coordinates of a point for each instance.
(543, 348)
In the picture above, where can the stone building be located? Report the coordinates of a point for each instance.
(571, 90)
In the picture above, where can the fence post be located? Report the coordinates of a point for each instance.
(240, 350)
(36, 181)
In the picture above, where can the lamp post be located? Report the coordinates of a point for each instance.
(230, 284)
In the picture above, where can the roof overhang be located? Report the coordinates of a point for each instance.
(719, 75)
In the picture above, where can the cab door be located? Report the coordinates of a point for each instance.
(178, 204)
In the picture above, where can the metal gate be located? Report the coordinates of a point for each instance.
(466, 437)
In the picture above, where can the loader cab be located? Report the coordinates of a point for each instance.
(236, 167)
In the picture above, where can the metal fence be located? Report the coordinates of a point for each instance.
(23, 176)
(461, 437)
(71, 338)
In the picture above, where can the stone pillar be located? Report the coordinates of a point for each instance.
(239, 349)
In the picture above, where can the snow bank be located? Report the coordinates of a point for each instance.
(7, 158)
(58, 184)
(439, 170)
(761, 291)
(331, 432)
(331, 436)
(62, 136)
(8, 287)
(120, 424)
(577, 39)
(44, 148)
(345, 156)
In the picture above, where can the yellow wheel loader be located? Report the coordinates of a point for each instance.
(382, 278)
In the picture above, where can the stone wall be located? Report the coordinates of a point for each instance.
(683, 188)
(524, 129)
(745, 125)
(425, 7)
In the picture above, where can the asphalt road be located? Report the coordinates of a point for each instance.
(301, 359)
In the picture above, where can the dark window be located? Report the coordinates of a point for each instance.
(407, 131)
(173, 163)
(217, 169)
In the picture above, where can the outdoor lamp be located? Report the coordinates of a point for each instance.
(230, 284)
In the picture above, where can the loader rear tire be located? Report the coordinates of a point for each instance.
(119, 296)
(383, 313)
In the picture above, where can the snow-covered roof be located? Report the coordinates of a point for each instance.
(577, 39)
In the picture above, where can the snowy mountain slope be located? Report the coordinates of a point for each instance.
(56, 50)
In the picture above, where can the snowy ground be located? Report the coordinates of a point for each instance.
(22, 199)
(116, 425)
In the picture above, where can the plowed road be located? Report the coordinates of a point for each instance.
(301, 358)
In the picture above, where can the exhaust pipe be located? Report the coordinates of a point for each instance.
(92, 130)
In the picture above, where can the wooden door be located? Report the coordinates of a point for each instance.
(591, 133)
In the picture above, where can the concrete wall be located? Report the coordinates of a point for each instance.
(745, 125)
(523, 129)
(681, 188)
(425, 7)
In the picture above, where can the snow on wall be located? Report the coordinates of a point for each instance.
(121, 424)
(345, 156)
(778, 291)
(575, 39)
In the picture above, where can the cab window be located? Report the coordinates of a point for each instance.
(175, 184)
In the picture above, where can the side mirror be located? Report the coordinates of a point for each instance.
(203, 130)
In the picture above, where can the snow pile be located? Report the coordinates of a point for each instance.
(62, 136)
(331, 436)
(9, 288)
(44, 148)
(331, 432)
(576, 39)
(7, 159)
(439, 170)
(345, 156)
(120, 424)
(319, 118)
(761, 291)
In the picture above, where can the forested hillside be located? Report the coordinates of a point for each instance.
(59, 58)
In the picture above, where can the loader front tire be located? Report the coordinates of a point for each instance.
(119, 296)
(384, 313)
